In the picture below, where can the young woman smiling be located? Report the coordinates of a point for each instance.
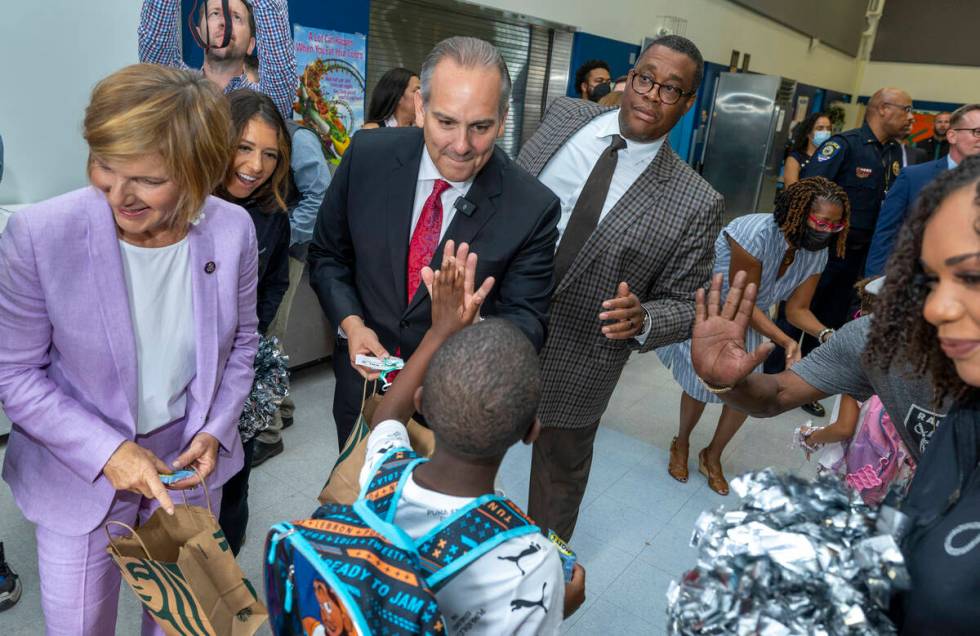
(258, 180)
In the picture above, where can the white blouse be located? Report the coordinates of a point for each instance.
(158, 282)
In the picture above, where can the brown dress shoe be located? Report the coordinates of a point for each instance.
(677, 466)
(716, 478)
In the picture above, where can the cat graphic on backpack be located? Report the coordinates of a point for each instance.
(333, 620)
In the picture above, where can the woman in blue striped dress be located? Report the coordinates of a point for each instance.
(783, 253)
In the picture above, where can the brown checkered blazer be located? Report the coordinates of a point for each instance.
(659, 238)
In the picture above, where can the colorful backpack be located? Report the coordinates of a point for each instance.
(350, 570)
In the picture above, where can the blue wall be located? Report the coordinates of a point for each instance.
(586, 46)
(350, 16)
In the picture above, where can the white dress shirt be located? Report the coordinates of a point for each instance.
(428, 175)
(569, 169)
(158, 283)
(426, 180)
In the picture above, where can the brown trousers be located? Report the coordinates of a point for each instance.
(560, 464)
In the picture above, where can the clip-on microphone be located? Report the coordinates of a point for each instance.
(464, 206)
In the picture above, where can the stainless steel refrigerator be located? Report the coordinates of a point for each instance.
(747, 131)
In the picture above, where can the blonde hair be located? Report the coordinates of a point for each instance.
(145, 109)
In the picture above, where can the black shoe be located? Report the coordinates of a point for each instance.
(263, 452)
(813, 408)
(10, 587)
(286, 422)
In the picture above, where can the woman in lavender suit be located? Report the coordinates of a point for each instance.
(127, 333)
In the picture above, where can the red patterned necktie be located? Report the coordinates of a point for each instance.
(425, 238)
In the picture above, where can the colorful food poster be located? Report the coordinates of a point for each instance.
(330, 95)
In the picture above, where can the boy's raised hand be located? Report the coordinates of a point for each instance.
(455, 302)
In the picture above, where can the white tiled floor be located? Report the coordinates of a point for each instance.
(633, 531)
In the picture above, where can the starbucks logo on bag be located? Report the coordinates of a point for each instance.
(164, 593)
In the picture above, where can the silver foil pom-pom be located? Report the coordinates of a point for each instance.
(269, 388)
(795, 557)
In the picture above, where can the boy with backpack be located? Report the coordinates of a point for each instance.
(428, 547)
(481, 389)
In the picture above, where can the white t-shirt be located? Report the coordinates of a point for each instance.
(516, 588)
(158, 283)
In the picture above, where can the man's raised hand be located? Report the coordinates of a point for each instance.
(718, 339)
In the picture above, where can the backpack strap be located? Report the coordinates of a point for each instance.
(468, 534)
(381, 494)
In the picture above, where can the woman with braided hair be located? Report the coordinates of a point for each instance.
(783, 253)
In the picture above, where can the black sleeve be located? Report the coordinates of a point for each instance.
(331, 253)
(828, 160)
(525, 288)
(275, 280)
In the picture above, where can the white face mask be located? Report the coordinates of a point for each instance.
(820, 136)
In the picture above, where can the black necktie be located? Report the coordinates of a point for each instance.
(585, 215)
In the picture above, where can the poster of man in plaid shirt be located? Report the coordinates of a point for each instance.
(256, 25)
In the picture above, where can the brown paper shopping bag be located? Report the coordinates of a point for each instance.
(342, 485)
(184, 574)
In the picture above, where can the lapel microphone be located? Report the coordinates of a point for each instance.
(464, 206)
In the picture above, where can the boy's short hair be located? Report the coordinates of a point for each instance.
(481, 390)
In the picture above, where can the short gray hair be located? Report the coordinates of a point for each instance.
(467, 52)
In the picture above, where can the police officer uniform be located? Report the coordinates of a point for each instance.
(865, 168)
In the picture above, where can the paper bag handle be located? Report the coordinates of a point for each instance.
(364, 392)
(113, 522)
(204, 486)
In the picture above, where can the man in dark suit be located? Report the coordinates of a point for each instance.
(963, 136)
(911, 155)
(937, 146)
(637, 239)
(400, 193)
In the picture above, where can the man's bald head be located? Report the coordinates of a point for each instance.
(890, 113)
(888, 94)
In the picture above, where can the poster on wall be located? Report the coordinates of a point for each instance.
(330, 95)
(922, 129)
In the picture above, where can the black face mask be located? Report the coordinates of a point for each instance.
(599, 92)
(815, 240)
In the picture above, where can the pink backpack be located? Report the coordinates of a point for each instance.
(876, 456)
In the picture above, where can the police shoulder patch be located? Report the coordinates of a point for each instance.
(828, 150)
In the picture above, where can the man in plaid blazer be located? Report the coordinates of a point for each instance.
(629, 284)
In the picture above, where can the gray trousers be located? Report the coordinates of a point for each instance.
(277, 328)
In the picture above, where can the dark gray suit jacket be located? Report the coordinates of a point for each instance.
(659, 238)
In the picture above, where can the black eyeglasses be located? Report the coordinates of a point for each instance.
(907, 109)
(668, 93)
(975, 131)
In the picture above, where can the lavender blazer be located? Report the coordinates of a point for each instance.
(68, 374)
